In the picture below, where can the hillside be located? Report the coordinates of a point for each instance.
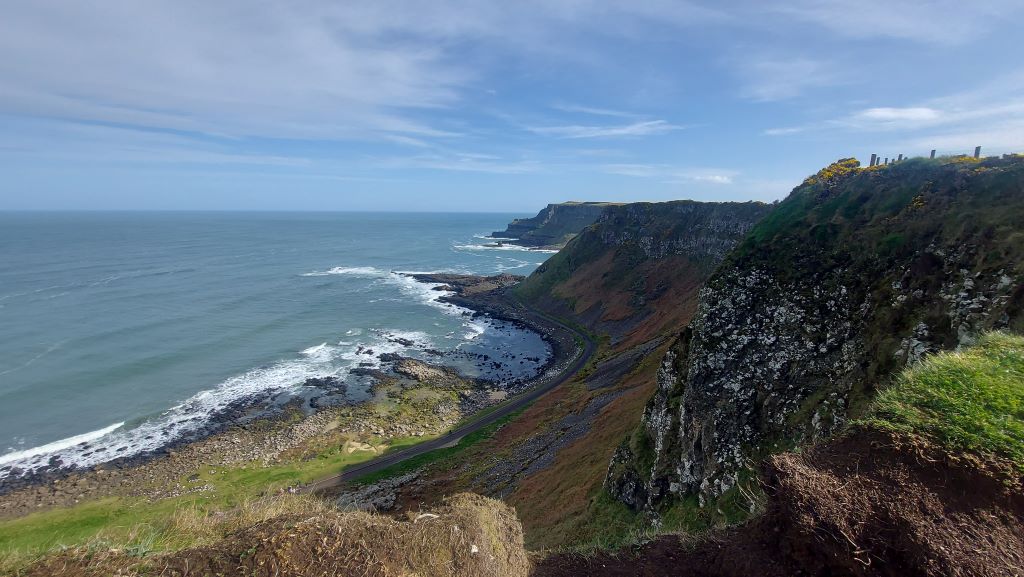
(554, 225)
(928, 484)
(858, 273)
(633, 277)
(635, 273)
(464, 535)
(832, 385)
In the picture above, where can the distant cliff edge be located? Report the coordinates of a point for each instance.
(553, 226)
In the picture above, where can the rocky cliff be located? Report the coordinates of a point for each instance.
(553, 226)
(859, 272)
(635, 273)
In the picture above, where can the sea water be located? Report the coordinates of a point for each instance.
(123, 332)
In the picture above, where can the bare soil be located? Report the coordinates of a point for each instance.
(865, 504)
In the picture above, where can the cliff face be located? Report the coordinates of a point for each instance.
(555, 225)
(635, 273)
(856, 274)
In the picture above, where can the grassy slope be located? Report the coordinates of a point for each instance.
(871, 213)
(118, 519)
(970, 401)
(129, 521)
(618, 287)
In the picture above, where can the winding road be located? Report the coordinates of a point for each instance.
(451, 438)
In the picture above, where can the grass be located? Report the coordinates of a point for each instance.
(137, 527)
(437, 455)
(237, 495)
(970, 401)
(119, 520)
(305, 536)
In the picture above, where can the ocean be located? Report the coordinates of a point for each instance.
(123, 332)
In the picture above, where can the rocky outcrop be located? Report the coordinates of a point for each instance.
(635, 273)
(554, 226)
(856, 274)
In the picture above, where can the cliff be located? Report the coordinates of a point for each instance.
(635, 273)
(632, 276)
(553, 226)
(858, 273)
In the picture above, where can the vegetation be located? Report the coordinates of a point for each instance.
(970, 401)
(834, 172)
(130, 522)
(298, 536)
(438, 455)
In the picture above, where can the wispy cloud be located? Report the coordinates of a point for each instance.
(645, 128)
(911, 114)
(929, 21)
(773, 78)
(593, 111)
(672, 174)
(456, 161)
(992, 114)
(784, 130)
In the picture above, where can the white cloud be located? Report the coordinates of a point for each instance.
(315, 70)
(912, 114)
(281, 71)
(645, 128)
(713, 178)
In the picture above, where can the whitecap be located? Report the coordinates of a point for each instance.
(321, 352)
(507, 247)
(365, 271)
(60, 445)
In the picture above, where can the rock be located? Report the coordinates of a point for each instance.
(794, 329)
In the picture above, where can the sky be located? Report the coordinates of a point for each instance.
(447, 105)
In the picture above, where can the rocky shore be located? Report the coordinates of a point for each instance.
(408, 398)
(490, 296)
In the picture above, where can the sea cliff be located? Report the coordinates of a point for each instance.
(858, 273)
(554, 225)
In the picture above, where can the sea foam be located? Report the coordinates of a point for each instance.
(191, 417)
(58, 446)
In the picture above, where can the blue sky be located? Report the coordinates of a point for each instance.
(484, 106)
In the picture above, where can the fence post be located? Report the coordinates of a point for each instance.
(873, 157)
(977, 152)
(900, 159)
(933, 154)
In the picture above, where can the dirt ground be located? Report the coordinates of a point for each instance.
(866, 504)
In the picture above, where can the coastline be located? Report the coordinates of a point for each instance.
(269, 440)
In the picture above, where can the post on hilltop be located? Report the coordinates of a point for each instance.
(933, 154)
(977, 152)
(873, 158)
(900, 159)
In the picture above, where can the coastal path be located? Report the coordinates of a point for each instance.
(452, 437)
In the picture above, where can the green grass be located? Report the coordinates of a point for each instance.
(118, 519)
(970, 401)
(437, 455)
